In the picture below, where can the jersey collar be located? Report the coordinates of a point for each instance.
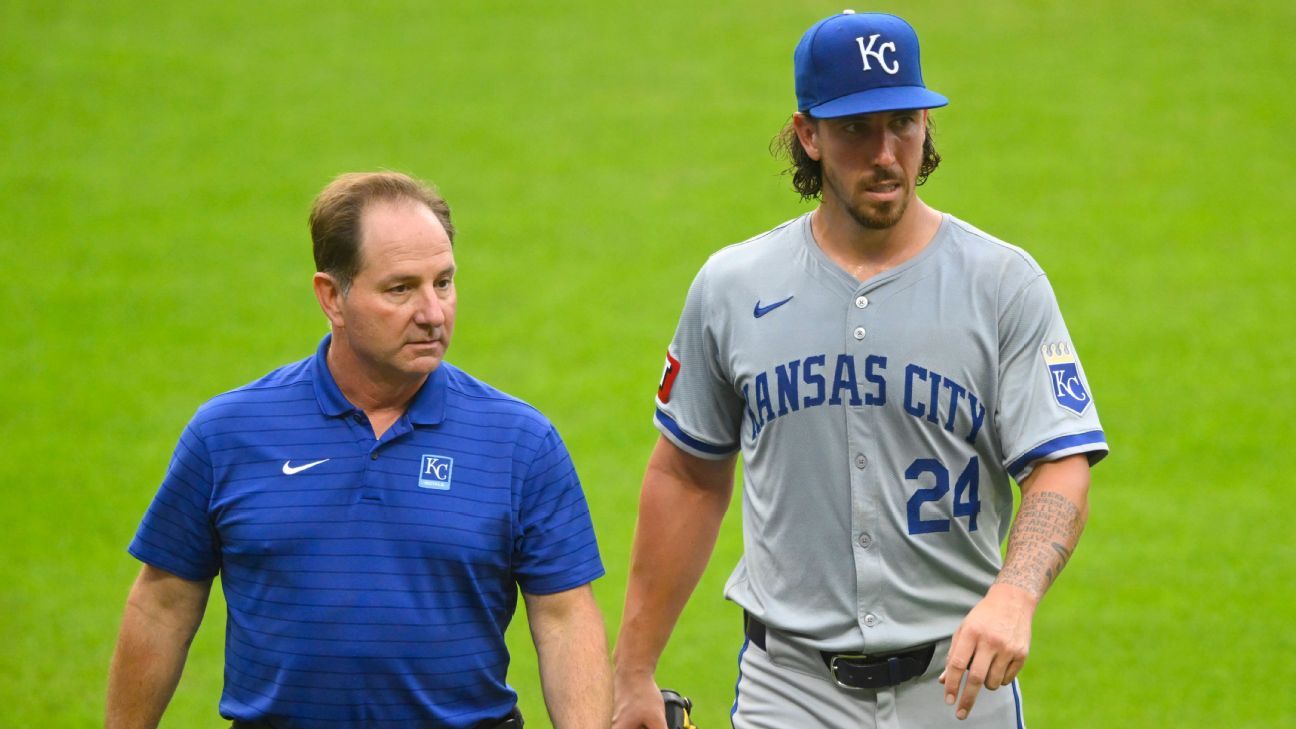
(427, 407)
(839, 276)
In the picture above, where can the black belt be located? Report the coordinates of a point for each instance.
(514, 721)
(859, 671)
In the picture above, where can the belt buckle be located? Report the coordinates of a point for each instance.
(832, 668)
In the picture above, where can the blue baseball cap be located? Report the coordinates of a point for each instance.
(860, 63)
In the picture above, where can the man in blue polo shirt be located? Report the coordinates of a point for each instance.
(372, 511)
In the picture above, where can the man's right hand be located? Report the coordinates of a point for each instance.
(682, 503)
(637, 702)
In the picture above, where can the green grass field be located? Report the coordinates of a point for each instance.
(156, 164)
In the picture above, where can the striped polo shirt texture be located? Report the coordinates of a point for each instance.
(369, 582)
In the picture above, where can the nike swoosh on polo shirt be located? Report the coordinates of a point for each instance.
(290, 469)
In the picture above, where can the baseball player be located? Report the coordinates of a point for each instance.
(885, 371)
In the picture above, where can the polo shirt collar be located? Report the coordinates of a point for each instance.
(428, 405)
(426, 408)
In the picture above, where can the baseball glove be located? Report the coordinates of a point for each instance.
(677, 710)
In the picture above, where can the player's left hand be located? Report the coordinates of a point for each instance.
(990, 645)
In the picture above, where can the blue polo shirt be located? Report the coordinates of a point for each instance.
(369, 582)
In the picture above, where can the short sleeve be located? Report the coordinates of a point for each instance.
(555, 549)
(1045, 410)
(176, 534)
(697, 407)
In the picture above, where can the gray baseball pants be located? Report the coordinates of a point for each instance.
(789, 686)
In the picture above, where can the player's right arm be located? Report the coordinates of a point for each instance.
(683, 501)
(162, 615)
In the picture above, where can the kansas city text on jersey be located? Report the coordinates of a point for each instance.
(854, 381)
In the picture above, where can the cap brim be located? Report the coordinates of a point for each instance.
(872, 101)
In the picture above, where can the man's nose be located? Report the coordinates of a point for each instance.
(884, 148)
(430, 311)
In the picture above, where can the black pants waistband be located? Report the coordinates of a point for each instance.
(513, 721)
(858, 670)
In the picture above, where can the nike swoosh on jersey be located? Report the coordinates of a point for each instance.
(290, 469)
(760, 311)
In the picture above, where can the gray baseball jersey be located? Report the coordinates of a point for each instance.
(878, 421)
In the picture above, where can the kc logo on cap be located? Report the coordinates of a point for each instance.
(860, 63)
(879, 54)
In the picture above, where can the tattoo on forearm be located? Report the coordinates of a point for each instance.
(1043, 536)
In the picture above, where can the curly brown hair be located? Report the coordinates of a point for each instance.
(807, 173)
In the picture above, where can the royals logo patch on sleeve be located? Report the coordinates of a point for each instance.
(669, 373)
(1064, 376)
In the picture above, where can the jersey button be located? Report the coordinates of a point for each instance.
(861, 461)
(871, 620)
(859, 332)
(358, 417)
(861, 301)
(866, 540)
(373, 456)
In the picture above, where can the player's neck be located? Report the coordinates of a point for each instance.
(383, 398)
(865, 252)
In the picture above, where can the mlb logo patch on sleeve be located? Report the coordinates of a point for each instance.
(1064, 376)
(435, 472)
(669, 373)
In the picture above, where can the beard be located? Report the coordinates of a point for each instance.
(873, 216)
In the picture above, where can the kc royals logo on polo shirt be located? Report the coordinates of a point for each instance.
(435, 472)
(1064, 377)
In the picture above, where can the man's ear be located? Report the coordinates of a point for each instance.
(807, 131)
(329, 294)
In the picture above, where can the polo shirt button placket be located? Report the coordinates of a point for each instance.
(369, 490)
